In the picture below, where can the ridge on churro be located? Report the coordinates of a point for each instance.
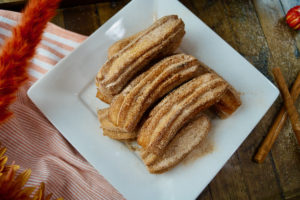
(160, 39)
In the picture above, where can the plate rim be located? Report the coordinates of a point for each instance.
(36, 85)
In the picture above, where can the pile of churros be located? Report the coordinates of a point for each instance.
(159, 98)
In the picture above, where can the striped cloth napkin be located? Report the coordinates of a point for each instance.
(33, 142)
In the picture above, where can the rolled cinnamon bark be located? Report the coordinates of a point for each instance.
(268, 142)
(288, 102)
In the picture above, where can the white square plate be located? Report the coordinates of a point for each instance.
(66, 95)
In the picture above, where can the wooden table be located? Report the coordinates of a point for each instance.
(257, 30)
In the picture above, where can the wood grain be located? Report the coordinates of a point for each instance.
(205, 195)
(240, 28)
(229, 182)
(251, 43)
(286, 5)
(107, 10)
(282, 48)
(279, 38)
(19, 4)
(288, 102)
(58, 19)
(277, 125)
(252, 46)
(257, 30)
(81, 19)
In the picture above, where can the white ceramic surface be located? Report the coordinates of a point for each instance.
(66, 95)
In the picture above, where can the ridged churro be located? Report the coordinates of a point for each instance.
(128, 107)
(112, 131)
(227, 105)
(182, 144)
(177, 108)
(160, 39)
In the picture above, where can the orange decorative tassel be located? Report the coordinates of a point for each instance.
(20, 48)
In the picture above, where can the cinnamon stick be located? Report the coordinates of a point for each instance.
(288, 102)
(268, 142)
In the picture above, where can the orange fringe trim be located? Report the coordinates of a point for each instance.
(20, 48)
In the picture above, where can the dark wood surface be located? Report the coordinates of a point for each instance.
(257, 30)
(19, 4)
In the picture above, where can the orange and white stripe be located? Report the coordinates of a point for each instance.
(56, 43)
(32, 141)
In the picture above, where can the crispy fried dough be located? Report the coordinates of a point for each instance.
(177, 108)
(182, 144)
(106, 98)
(160, 39)
(128, 107)
(112, 131)
(119, 45)
(228, 104)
